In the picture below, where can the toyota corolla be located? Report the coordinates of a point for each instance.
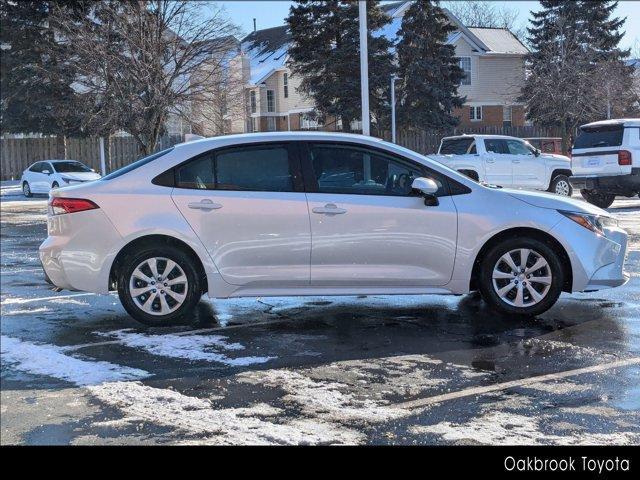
(290, 214)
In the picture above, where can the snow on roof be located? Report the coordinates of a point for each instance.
(267, 51)
(499, 40)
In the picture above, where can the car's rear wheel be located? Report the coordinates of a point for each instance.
(602, 200)
(560, 186)
(521, 276)
(159, 286)
(26, 190)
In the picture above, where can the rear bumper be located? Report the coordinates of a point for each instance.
(616, 184)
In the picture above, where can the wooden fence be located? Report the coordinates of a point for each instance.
(19, 153)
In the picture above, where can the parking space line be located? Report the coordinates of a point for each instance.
(424, 402)
(20, 301)
(70, 348)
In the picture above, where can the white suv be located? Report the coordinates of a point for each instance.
(319, 214)
(605, 160)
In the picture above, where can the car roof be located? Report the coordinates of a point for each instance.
(473, 135)
(627, 122)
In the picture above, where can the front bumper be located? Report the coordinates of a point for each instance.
(617, 184)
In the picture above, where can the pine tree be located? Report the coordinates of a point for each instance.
(428, 70)
(37, 96)
(325, 53)
(576, 72)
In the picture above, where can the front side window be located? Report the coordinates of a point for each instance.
(271, 101)
(71, 167)
(37, 167)
(518, 148)
(495, 145)
(465, 65)
(360, 171)
(259, 168)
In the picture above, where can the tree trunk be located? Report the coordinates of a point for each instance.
(61, 147)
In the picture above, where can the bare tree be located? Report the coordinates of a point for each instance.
(477, 13)
(138, 62)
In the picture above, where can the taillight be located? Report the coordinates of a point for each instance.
(60, 205)
(624, 157)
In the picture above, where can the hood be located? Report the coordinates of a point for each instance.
(80, 176)
(555, 156)
(554, 202)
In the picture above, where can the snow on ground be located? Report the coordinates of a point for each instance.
(50, 360)
(199, 421)
(189, 347)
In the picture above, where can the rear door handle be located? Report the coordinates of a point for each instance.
(516, 161)
(329, 209)
(206, 205)
(490, 160)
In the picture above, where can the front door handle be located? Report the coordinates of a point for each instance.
(516, 161)
(206, 205)
(490, 160)
(329, 209)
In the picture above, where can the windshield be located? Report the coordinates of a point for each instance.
(70, 167)
(136, 164)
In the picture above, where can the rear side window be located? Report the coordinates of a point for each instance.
(458, 146)
(599, 137)
(136, 164)
(495, 145)
(260, 169)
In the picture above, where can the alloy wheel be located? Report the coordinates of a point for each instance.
(158, 286)
(562, 188)
(522, 277)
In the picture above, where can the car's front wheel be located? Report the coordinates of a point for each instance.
(560, 186)
(26, 190)
(521, 276)
(602, 200)
(159, 286)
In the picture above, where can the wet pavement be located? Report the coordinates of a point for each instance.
(353, 370)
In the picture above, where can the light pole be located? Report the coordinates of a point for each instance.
(393, 108)
(364, 66)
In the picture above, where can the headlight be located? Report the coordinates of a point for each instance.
(595, 223)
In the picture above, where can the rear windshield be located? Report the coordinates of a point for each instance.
(599, 137)
(69, 167)
(457, 146)
(136, 164)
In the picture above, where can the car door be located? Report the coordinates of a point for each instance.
(368, 227)
(248, 207)
(38, 180)
(498, 164)
(528, 169)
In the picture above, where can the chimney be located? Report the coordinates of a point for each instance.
(254, 25)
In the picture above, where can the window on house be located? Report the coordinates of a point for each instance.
(286, 85)
(309, 122)
(475, 113)
(254, 104)
(271, 124)
(506, 116)
(271, 101)
(465, 65)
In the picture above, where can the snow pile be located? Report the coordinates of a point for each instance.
(43, 359)
(196, 417)
(189, 347)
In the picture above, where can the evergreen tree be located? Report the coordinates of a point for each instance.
(325, 53)
(576, 72)
(36, 85)
(428, 70)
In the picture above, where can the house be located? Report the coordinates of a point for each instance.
(493, 59)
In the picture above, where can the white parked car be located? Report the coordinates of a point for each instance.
(319, 214)
(605, 160)
(506, 162)
(48, 174)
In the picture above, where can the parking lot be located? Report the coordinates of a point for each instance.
(351, 370)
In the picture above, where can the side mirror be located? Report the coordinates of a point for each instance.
(427, 187)
(537, 152)
(46, 171)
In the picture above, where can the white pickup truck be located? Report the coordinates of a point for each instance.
(507, 162)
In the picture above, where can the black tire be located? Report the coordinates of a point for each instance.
(55, 185)
(193, 291)
(560, 186)
(490, 260)
(26, 190)
(602, 200)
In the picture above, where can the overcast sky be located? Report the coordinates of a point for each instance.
(270, 13)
